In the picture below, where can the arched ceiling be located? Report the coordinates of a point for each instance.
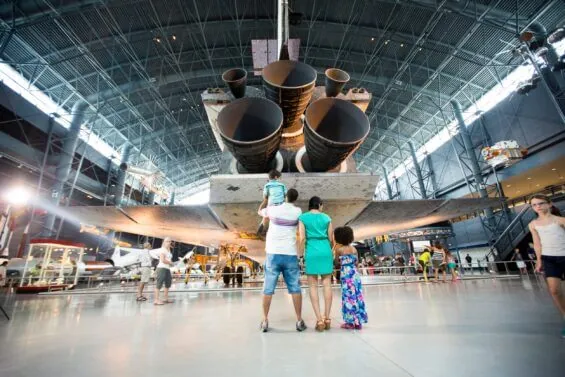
(143, 63)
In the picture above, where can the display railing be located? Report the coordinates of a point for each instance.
(369, 276)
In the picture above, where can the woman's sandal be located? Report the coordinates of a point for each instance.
(320, 326)
(327, 323)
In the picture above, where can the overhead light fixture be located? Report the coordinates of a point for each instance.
(508, 185)
(386, 42)
(89, 197)
(402, 45)
(554, 169)
(537, 185)
(174, 37)
(529, 177)
(157, 39)
(372, 38)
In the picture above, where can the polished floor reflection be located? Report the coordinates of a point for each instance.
(471, 328)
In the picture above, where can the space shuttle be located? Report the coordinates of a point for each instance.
(308, 133)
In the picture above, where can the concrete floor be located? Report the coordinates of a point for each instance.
(471, 328)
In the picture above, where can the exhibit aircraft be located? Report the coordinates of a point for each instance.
(231, 215)
(129, 258)
(310, 134)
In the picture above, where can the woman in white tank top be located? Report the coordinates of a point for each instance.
(548, 232)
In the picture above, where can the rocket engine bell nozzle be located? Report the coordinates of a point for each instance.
(335, 81)
(290, 84)
(333, 130)
(251, 129)
(236, 80)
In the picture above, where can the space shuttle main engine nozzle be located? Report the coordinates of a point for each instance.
(333, 130)
(335, 81)
(251, 129)
(236, 80)
(290, 84)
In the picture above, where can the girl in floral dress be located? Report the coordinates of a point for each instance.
(352, 302)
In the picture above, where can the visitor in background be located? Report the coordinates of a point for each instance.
(424, 261)
(469, 260)
(401, 262)
(316, 234)
(548, 233)
(163, 272)
(451, 265)
(517, 257)
(352, 301)
(145, 270)
(438, 261)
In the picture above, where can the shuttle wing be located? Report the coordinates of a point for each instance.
(231, 216)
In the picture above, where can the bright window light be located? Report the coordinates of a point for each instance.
(19, 84)
(18, 196)
(202, 197)
(487, 102)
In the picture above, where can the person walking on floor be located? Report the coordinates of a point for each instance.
(145, 262)
(548, 233)
(517, 257)
(316, 233)
(438, 262)
(352, 301)
(424, 261)
(451, 265)
(282, 256)
(163, 272)
(469, 260)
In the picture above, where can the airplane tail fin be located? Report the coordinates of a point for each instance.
(188, 255)
(115, 256)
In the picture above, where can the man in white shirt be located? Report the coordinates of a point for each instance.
(163, 272)
(281, 248)
(145, 269)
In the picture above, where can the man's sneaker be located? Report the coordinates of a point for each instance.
(264, 326)
(300, 326)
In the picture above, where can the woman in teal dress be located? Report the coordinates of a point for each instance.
(316, 234)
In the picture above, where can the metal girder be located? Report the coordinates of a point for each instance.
(458, 8)
(439, 69)
(164, 131)
(217, 25)
(59, 77)
(357, 58)
(540, 13)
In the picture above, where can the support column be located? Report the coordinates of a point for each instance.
(473, 160)
(432, 174)
(66, 159)
(418, 171)
(151, 198)
(388, 187)
(172, 200)
(120, 187)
